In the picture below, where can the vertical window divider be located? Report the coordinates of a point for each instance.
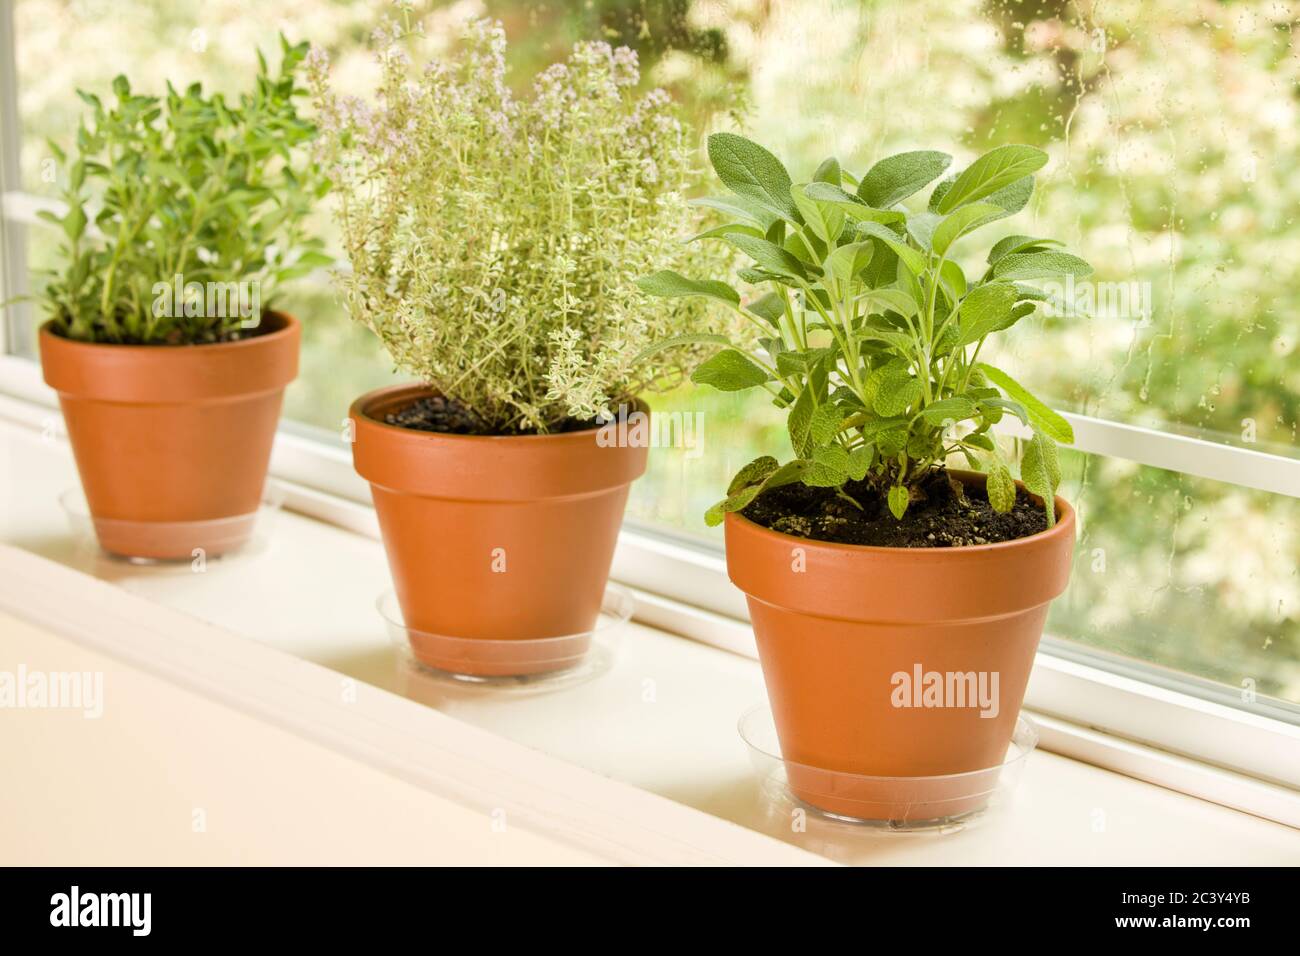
(15, 323)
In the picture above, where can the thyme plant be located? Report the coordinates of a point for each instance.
(190, 186)
(870, 334)
(495, 239)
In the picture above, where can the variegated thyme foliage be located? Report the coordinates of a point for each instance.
(495, 240)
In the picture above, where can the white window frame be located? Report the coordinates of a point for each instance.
(13, 244)
(681, 584)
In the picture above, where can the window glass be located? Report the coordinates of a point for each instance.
(1174, 137)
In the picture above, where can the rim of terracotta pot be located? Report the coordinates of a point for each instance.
(945, 584)
(483, 467)
(130, 373)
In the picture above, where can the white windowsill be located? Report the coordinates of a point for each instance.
(1192, 740)
(662, 720)
(207, 748)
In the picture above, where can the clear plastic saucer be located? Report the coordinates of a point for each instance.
(173, 543)
(530, 664)
(945, 803)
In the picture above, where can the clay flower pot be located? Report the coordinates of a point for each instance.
(499, 546)
(853, 640)
(172, 442)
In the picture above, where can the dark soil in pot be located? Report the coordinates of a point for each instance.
(449, 417)
(177, 339)
(940, 520)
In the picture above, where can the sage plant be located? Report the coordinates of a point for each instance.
(870, 333)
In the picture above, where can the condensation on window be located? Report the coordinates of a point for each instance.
(1174, 137)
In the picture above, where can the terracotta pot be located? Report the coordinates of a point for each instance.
(172, 442)
(838, 624)
(499, 546)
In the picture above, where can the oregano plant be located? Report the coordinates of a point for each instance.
(869, 331)
(186, 191)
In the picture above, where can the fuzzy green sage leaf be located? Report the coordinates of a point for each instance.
(729, 371)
